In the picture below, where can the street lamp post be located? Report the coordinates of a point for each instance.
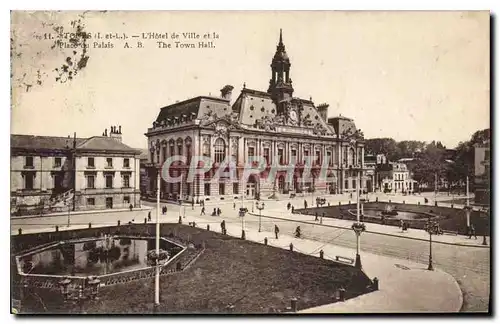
(69, 217)
(486, 212)
(435, 187)
(260, 206)
(468, 208)
(89, 290)
(242, 215)
(432, 228)
(319, 203)
(358, 227)
(157, 268)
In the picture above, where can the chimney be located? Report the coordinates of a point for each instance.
(120, 129)
(323, 110)
(105, 132)
(226, 92)
(117, 135)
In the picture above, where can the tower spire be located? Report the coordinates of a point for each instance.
(280, 84)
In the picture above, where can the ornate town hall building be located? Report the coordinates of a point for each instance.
(272, 124)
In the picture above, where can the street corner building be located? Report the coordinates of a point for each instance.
(272, 124)
(482, 173)
(55, 174)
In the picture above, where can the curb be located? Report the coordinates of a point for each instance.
(373, 232)
(103, 211)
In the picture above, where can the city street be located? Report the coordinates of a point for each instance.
(469, 265)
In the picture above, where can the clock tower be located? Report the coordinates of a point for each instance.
(280, 85)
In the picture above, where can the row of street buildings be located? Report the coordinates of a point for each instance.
(50, 174)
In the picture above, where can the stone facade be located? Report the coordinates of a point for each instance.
(46, 171)
(482, 172)
(275, 125)
(394, 177)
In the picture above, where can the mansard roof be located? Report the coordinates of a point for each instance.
(104, 143)
(56, 143)
(195, 107)
(34, 142)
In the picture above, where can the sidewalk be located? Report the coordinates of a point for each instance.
(84, 212)
(404, 286)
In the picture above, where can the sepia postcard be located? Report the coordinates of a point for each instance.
(261, 162)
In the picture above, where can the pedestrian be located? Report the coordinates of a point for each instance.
(276, 231)
(297, 232)
(315, 216)
(234, 205)
(305, 204)
(202, 211)
(473, 232)
(130, 207)
(288, 206)
(223, 227)
(149, 216)
(401, 223)
(192, 204)
(218, 211)
(293, 209)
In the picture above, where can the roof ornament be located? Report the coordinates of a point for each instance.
(244, 85)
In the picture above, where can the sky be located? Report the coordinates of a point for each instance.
(406, 75)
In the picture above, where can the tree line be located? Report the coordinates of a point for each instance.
(432, 158)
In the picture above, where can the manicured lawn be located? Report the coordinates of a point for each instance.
(252, 277)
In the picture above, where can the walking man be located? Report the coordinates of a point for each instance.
(149, 216)
(472, 232)
(288, 206)
(234, 205)
(315, 216)
(305, 204)
(202, 211)
(276, 231)
(223, 227)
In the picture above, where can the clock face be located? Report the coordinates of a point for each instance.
(293, 115)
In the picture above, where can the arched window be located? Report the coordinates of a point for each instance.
(220, 150)
(180, 147)
(350, 157)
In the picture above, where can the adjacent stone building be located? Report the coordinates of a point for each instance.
(47, 171)
(272, 124)
(482, 173)
(394, 177)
